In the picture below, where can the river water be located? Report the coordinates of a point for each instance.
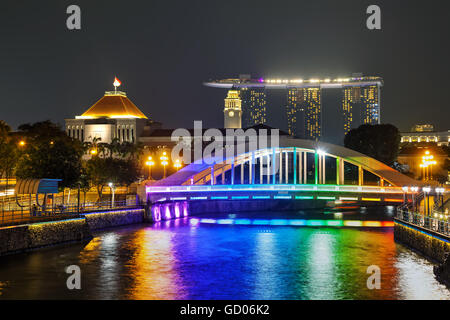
(186, 259)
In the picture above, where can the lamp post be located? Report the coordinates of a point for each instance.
(150, 163)
(427, 161)
(164, 162)
(111, 186)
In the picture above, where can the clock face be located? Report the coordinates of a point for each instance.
(231, 114)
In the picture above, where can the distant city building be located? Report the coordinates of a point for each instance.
(254, 103)
(295, 112)
(423, 135)
(422, 128)
(233, 110)
(360, 104)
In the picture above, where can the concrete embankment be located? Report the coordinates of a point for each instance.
(431, 244)
(102, 220)
(16, 239)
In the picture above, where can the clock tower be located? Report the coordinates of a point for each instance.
(232, 111)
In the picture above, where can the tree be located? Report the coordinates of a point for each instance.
(50, 153)
(379, 141)
(9, 153)
(102, 171)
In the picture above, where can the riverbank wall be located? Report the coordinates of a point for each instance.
(429, 243)
(22, 238)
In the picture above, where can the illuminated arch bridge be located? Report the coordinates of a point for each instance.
(295, 170)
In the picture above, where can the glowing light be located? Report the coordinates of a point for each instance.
(372, 224)
(304, 197)
(185, 210)
(326, 198)
(261, 222)
(282, 197)
(225, 221)
(393, 200)
(278, 222)
(335, 223)
(177, 164)
(320, 152)
(21, 143)
(242, 221)
(167, 212)
(178, 198)
(370, 199)
(297, 222)
(349, 198)
(261, 197)
(177, 210)
(352, 223)
(116, 83)
(315, 223)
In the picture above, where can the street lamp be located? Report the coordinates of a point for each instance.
(111, 186)
(427, 161)
(164, 162)
(177, 164)
(22, 143)
(150, 163)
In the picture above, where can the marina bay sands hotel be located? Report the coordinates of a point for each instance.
(358, 102)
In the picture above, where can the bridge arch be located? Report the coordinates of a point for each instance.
(294, 161)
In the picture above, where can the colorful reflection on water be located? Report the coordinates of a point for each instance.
(184, 260)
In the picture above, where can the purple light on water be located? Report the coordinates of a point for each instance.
(185, 209)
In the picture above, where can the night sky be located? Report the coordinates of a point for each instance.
(162, 51)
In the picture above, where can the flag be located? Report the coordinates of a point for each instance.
(117, 82)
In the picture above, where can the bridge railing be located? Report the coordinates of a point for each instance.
(276, 187)
(437, 222)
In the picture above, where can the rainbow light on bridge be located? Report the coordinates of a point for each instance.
(295, 222)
